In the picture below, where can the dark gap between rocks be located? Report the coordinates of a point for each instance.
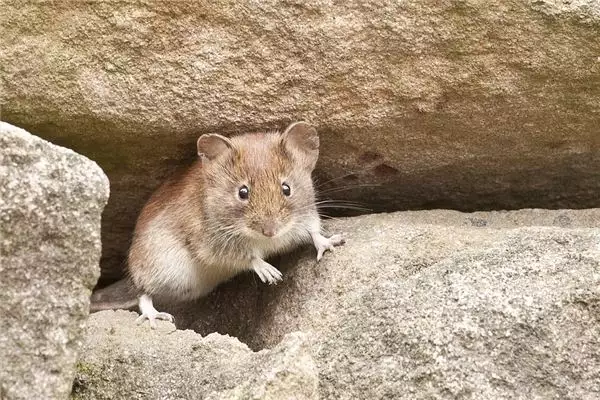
(242, 307)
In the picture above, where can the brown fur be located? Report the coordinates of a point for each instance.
(200, 210)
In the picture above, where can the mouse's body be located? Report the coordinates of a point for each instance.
(247, 198)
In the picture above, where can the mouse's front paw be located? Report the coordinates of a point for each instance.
(266, 272)
(322, 244)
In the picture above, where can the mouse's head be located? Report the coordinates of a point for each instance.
(259, 186)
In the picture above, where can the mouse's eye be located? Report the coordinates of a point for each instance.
(244, 192)
(285, 188)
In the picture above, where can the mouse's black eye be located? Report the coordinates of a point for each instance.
(285, 188)
(244, 192)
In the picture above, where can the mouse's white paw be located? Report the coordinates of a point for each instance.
(266, 272)
(148, 312)
(322, 244)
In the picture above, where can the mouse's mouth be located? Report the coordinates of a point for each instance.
(256, 233)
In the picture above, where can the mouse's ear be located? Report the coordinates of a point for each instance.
(302, 141)
(211, 145)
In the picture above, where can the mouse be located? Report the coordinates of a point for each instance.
(245, 198)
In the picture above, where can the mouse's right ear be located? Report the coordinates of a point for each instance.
(302, 141)
(211, 145)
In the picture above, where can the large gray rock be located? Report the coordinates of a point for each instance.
(454, 104)
(50, 204)
(121, 360)
(436, 304)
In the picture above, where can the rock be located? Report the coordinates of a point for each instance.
(438, 104)
(122, 360)
(51, 200)
(436, 304)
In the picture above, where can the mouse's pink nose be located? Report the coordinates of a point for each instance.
(269, 229)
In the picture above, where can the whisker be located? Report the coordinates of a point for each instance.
(329, 217)
(319, 184)
(343, 206)
(341, 202)
(356, 208)
(344, 188)
(333, 201)
(335, 204)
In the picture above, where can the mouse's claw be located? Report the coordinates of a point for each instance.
(266, 272)
(322, 244)
(148, 312)
(153, 317)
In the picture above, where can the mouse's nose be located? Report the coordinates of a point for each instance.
(269, 229)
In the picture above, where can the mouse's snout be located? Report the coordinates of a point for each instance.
(267, 225)
(269, 228)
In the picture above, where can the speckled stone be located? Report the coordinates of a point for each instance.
(51, 199)
(121, 360)
(468, 105)
(429, 305)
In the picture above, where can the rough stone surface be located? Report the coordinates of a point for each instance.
(121, 360)
(421, 104)
(439, 304)
(50, 204)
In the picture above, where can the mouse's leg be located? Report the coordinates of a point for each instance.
(265, 271)
(150, 313)
(322, 244)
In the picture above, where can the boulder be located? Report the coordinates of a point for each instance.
(436, 304)
(51, 200)
(421, 104)
(122, 360)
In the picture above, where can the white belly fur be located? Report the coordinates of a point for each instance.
(175, 272)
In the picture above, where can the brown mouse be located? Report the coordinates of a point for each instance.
(246, 198)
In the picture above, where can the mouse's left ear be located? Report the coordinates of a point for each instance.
(212, 145)
(302, 141)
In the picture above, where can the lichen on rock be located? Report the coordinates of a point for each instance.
(136, 362)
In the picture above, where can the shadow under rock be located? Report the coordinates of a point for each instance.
(239, 307)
